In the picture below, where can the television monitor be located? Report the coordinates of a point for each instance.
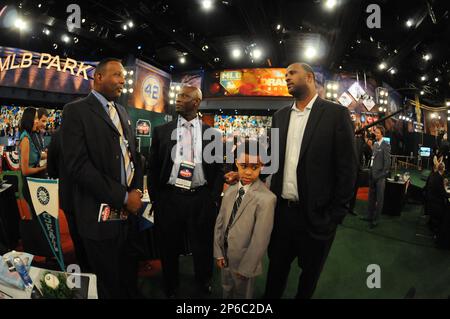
(425, 151)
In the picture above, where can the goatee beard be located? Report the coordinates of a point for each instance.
(301, 93)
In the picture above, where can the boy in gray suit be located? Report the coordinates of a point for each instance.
(243, 228)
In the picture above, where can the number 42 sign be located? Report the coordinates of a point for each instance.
(151, 90)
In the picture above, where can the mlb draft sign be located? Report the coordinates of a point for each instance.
(44, 196)
(254, 82)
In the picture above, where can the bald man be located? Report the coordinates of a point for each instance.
(185, 190)
(314, 184)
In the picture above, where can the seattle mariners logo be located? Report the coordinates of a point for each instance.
(151, 90)
(43, 195)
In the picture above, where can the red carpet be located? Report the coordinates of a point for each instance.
(363, 193)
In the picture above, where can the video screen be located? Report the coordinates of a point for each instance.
(425, 151)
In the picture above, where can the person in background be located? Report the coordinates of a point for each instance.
(436, 197)
(379, 170)
(359, 142)
(38, 136)
(438, 158)
(29, 155)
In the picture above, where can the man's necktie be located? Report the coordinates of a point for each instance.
(187, 145)
(236, 205)
(129, 169)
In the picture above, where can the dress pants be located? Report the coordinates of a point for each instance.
(376, 198)
(235, 287)
(179, 212)
(114, 266)
(78, 245)
(291, 239)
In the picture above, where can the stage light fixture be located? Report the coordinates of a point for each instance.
(382, 66)
(409, 23)
(65, 38)
(182, 60)
(330, 4)
(257, 54)
(130, 24)
(310, 53)
(423, 78)
(427, 56)
(236, 53)
(21, 24)
(131, 90)
(207, 5)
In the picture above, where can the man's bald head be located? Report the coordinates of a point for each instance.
(188, 101)
(194, 92)
(305, 66)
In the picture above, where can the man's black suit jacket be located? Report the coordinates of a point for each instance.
(93, 158)
(160, 163)
(327, 166)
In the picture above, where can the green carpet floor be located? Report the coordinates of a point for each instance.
(402, 247)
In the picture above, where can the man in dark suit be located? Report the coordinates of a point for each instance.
(56, 168)
(314, 182)
(193, 208)
(100, 155)
(380, 165)
(436, 197)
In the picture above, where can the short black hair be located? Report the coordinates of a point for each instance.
(250, 147)
(27, 120)
(42, 112)
(102, 64)
(308, 69)
(382, 129)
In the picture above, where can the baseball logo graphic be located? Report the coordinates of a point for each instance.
(43, 195)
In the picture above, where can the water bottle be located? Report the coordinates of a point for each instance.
(23, 272)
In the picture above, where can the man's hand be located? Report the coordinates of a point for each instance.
(220, 262)
(231, 177)
(242, 277)
(134, 203)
